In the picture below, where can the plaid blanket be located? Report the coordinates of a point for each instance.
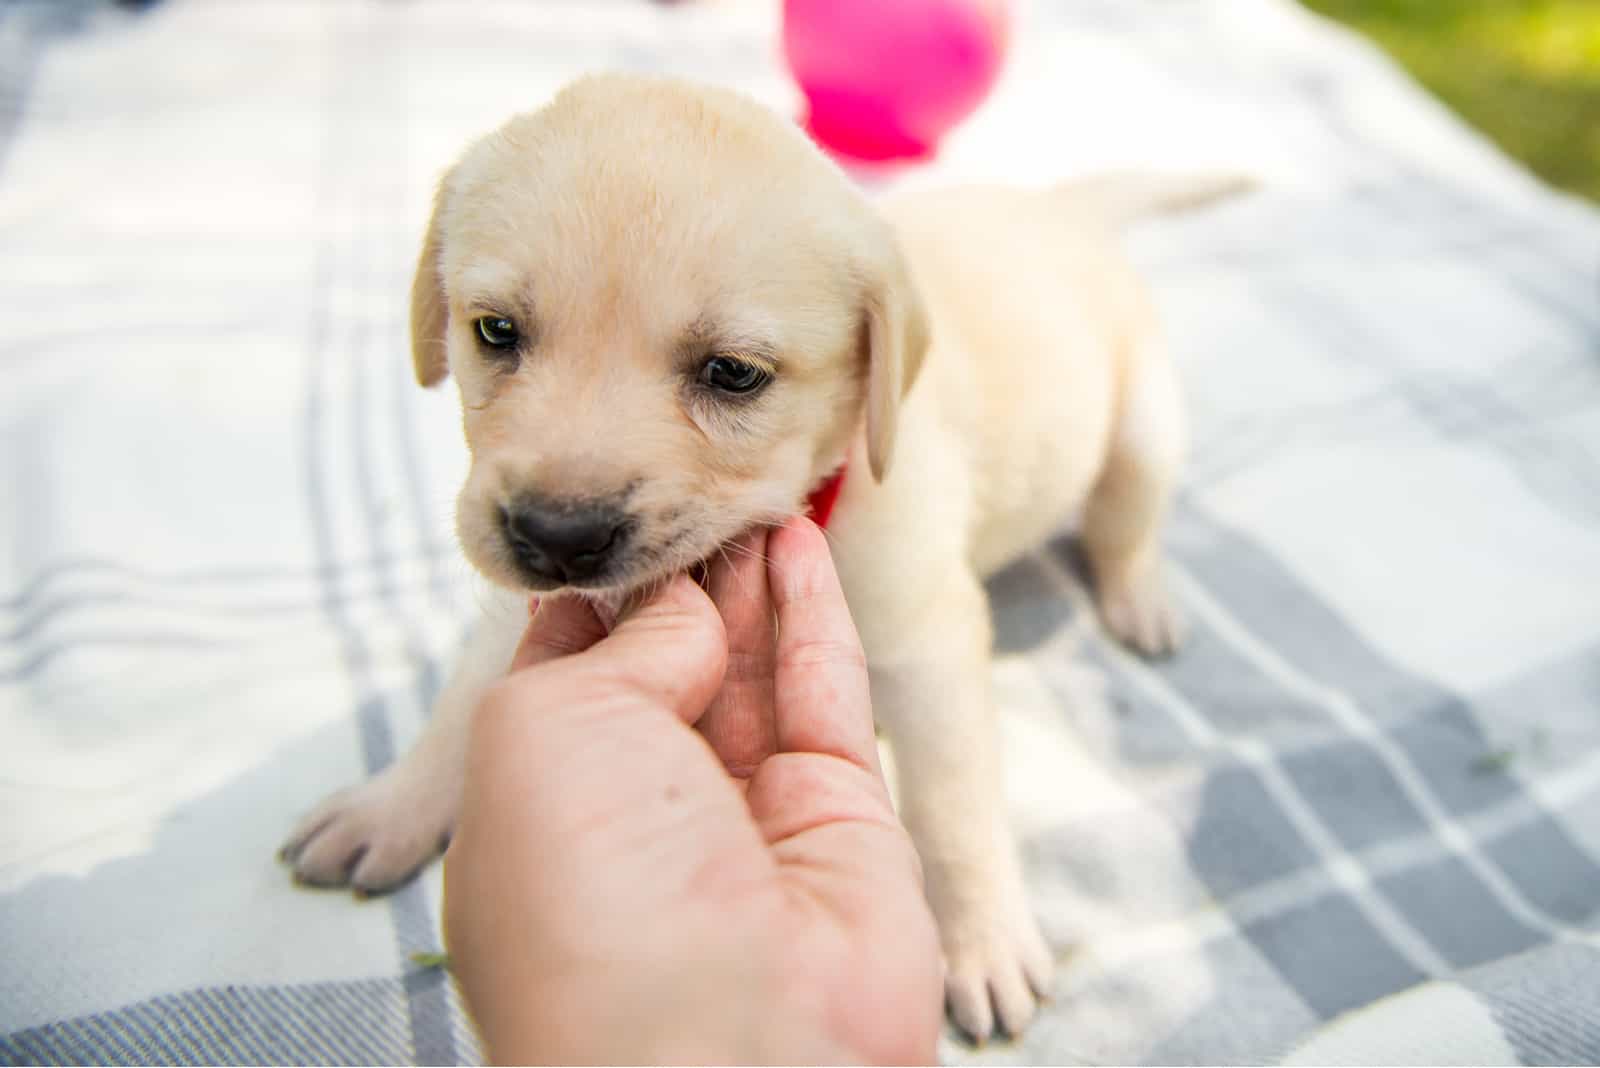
(227, 583)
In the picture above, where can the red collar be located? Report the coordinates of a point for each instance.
(820, 502)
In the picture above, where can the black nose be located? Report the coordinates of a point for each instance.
(564, 543)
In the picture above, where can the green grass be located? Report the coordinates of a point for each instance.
(1525, 72)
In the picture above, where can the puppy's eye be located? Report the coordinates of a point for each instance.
(497, 332)
(728, 375)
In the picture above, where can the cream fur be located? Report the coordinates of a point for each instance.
(984, 357)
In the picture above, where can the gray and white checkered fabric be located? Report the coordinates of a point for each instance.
(227, 582)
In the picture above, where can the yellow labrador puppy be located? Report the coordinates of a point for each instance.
(671, 318)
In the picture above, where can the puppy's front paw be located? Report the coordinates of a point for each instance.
(997, 970)
(375, 836)
(1140, 615)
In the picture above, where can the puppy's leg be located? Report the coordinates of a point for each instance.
(935, 708)
(1122, 518)
(377, 835)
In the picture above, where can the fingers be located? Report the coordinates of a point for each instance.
(598, 737)
(739, 724)
(560, 627)
(803, 689)
(822, 700)
(671, 650)
(668, 650)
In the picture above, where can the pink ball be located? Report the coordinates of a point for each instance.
(886, 79)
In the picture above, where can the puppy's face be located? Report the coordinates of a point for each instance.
(668, 318)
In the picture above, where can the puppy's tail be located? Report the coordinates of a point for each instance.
(1121, 197)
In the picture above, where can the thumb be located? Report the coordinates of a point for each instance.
(586, 738)
(560, 627)
(670, 649)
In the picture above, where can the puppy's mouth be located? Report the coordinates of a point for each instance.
(612, 570)
(607, 551)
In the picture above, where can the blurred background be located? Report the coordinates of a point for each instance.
(1525, 72)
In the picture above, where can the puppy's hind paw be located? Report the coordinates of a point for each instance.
(1140, 616)
(371, 838)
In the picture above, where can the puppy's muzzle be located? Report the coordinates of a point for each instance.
(564, 542)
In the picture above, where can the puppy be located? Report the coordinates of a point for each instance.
(670, 318)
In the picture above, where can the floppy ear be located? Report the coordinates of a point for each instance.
(430, 314)
(897, 339)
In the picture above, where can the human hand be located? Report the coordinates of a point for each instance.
(676, 843)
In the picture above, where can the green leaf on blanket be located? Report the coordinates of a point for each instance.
(1494, 761)
(431, 960)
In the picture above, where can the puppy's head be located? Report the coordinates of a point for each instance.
(669, 317)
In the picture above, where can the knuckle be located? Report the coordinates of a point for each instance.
(812, 653)
(704, 641)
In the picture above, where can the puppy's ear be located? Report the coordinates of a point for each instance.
(897, 339)
(430, 314)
